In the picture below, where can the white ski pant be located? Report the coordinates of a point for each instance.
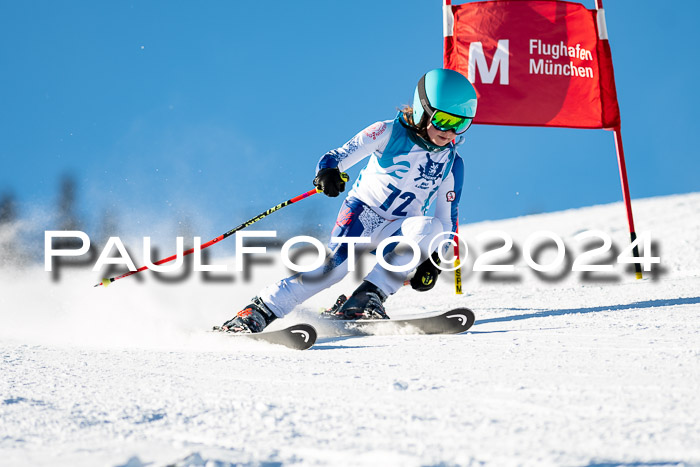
(357, 221)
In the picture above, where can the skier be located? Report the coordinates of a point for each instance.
(413, 163)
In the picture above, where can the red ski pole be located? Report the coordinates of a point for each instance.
(106, 282)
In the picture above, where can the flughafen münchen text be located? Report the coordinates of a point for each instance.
(546, 55)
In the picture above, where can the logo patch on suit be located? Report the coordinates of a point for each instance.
(376, 130)
(451, 196)
(430, 172)
(345, 217)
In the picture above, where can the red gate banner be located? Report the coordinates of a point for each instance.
(534, 62)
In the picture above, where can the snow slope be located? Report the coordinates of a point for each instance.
(563, 370)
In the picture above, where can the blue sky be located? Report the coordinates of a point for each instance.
(207, 113)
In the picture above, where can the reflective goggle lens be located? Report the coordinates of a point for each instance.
(446, 122)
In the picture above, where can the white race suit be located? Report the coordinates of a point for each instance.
(405, 175)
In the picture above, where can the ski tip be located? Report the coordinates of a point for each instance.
(298, 336)
(305, 334)
(464, 316)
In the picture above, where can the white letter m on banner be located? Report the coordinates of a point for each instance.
(477, 59)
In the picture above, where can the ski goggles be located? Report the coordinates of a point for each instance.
(445, 122)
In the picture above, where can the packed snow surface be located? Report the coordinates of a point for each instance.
(561, 368)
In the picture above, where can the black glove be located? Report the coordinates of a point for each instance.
(330, 182)
(426, 274)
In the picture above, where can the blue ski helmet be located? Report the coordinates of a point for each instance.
(444, 90)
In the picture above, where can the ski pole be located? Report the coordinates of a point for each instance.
(105, 282)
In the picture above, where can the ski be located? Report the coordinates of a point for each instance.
(299, 336)
(454, 321)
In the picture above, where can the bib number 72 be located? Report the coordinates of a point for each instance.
(407, 196)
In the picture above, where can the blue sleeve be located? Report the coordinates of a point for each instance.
(449, 194)
(458, 174)
(372, 138)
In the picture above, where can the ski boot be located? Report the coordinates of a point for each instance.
(253, 318)
(331, 312)
(366, 302)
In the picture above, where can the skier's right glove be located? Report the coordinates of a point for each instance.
(330, 181)
(426, 274)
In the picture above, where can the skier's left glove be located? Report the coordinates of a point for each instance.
(330, 181)
(426, 274)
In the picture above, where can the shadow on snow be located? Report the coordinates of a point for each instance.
(595, 309)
